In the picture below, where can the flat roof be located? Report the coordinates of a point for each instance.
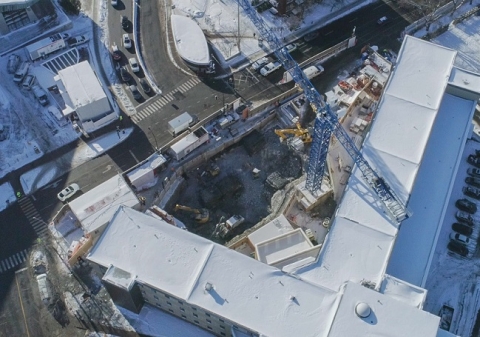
(96, 207)
(395, 149)
(185, 263)
(81, 84)
(190, 41)
(156, 160)
(403, 291)
(277, 226)
(185, 142)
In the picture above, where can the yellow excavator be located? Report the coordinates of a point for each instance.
(299, 132)
(201, 215)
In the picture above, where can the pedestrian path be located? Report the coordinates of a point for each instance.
(163, 100)
(33, 217)
(13, 261)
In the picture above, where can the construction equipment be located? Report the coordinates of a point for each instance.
(299, 132)
(201, 215)
(326, 125)
(213, 169)
(223, 228)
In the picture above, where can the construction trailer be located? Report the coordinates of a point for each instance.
(181, 123)
(310, 72)
(228, 120)
(45, 47)
(189, 143)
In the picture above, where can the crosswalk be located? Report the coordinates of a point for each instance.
(33, 217)
(153, 107)
(13, 261)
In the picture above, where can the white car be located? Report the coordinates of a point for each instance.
(77, 40)
(68, 192)
(459, 238)
(114, 2)
(134, 64)
(291, 47)
(260, 63)
(270, 68)
(127, 43)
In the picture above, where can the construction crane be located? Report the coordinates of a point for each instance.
(299, 132)
(201, 215)
(326, 124)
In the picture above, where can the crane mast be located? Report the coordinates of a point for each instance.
(326, 124)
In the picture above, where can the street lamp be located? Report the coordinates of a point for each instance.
(156, 144)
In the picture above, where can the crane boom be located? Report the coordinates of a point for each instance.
(326, 124)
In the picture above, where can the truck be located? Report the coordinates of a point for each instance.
(189, 143)
(181, 123)
(227, 120)
(46, 46)
(310, 72)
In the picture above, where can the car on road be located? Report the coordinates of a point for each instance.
(459, 238)
(127, 43)
(458, 248)
(135, 93)
(474, 172)
(383, 20)
(145, 86)
(134, 64)
(471, 192)
(260, 63)
(76, 40)
(473, 181)
(310, 36)
(464, 217)
(462, 228)
(291, 47)
(68, 192)
(466, 206)
(474, 160)
(125, 75)
(28, 82)
(125, 22)
(114, 2)
(116, 54)
(270, 68)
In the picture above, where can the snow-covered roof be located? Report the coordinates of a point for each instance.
(182, 263)
(274, 228)
(362, 235)
(96, 207)
(81, 84)
(190, 41)
(151, 164)
(465, 79)
(183, 143)
(403, 291)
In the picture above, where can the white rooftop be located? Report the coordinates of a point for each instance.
(96, 207)
(81, 84)
(190, 41)
(361, 237)
(403, 291)
(277, 226)
(183, 143)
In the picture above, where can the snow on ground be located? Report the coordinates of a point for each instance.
(154, 322)
(68, 228)
(7, 195)
(44, 174)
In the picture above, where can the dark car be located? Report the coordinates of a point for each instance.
(471, 192)
(125, 75)
(466, 205)
(383, 20)
(473, 181)
(462, 228)
(135, 93)
(474, 160)
(474, 172)
(310, 36)
(145, 87)
(458, 248)
(125, 22)
(464, 217)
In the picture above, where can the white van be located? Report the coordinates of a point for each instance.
(21, 72)
(40, 95)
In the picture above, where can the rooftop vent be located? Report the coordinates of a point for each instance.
(208, 286)
(362, 310)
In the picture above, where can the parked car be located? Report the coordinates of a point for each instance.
(28, 82)
(145, 87)
(260, 63)
(291, 47)
(125, 75)
(116, 54)
(474, 160)
(127, 43)
(135, 93)
(134, 64)
(471, 192)
(270, 68)
(40, 95)
(125, 22)
(383, 20)
(473, 181)
(464, 217)
(459, 238)
(474, 172)
(458, 248)
(68, 192)
(466, 206)
(462, 228)
(12, 64)
(76, 40)
(114, 2)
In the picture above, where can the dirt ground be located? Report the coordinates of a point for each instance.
(235, 191)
